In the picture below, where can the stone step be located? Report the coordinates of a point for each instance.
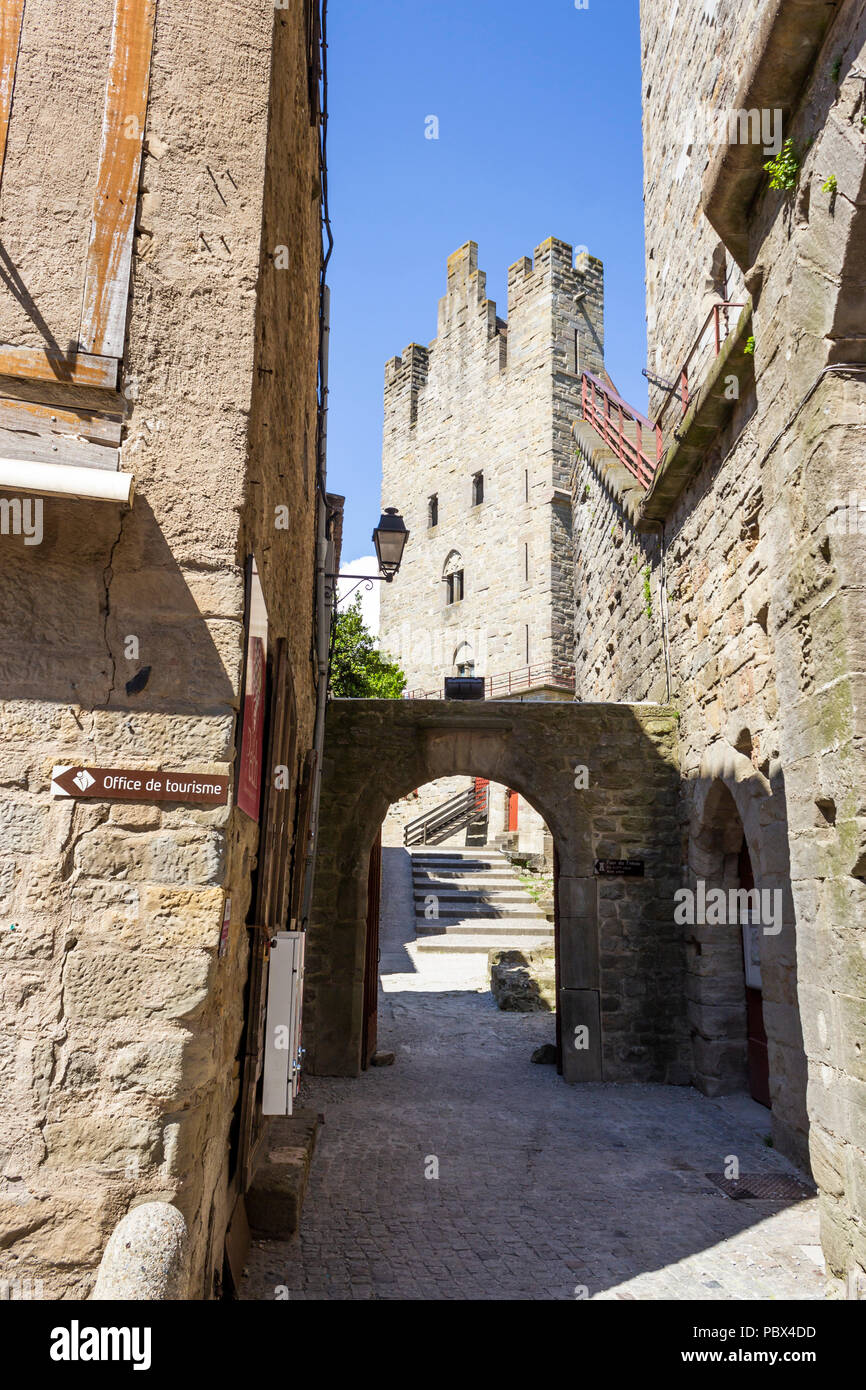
(481, 912)
(455, 849)
(458, 888)
(452, 866)
(479, 944)
(482, 909)
(472, 890)
(492, 925)
(458, 855)
(498, 872)
(500, 902)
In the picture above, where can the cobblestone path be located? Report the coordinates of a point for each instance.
(544, 1191)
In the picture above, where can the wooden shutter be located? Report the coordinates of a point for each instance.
(11, 20)
(109, 255)
(85, 379)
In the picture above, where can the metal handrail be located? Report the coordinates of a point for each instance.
(453, 803)
(612, 417)
(681, 384)
(557, 673)
(459, 810)
(616, 421)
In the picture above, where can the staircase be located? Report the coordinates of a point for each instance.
(633, 439)
(445, 820)
(479, 901)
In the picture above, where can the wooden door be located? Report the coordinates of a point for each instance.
(757, 1056)
(371, 961)
(512, 810)
(270, 896)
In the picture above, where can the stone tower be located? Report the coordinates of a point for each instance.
(477, 455)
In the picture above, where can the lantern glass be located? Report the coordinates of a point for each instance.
(390, 538)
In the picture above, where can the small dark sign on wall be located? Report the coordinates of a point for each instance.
(619, 868)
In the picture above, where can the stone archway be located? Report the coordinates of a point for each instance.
(733, 802)
(621, 960)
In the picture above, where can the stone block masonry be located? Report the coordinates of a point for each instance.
(123, 632)
(622, 957)
(745, 595)
(496, 399)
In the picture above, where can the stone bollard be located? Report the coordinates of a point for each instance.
(146, 1256)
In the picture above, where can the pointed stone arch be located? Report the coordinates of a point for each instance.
(463, 660)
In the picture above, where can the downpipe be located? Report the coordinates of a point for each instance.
(324, 611)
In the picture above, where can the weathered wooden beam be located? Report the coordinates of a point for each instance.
(47, 434)
(68, 369)
(109, 255)
(11, 21)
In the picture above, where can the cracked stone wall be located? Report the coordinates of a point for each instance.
(758, 572)
(119, 1021)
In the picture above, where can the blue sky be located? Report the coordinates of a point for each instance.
(539, 135)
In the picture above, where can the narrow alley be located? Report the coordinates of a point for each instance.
(544, 1190)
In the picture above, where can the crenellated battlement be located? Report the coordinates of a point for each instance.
(555, 324)
(555, 314)
(410, 368)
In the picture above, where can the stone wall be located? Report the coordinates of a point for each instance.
(119, 1020)
(498, 398)
(693, 54)
(738, 581)
(622, 958)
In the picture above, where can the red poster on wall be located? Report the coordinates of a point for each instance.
(252, 740)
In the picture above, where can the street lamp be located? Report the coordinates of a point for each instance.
(389, 538)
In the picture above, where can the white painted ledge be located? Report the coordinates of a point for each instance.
(66, 480)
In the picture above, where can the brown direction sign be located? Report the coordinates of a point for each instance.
(139, 784)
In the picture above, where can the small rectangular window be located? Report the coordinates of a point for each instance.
(526, 560)
(526, 484)
(433, 510)
(477, 489)
(454, 587)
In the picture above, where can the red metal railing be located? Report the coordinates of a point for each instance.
(622, 429)
(720, 318)
(556, 674)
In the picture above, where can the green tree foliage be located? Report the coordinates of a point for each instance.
(358, 668)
